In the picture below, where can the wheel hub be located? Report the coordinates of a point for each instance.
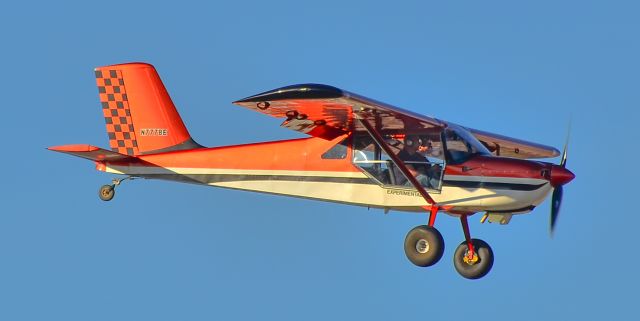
(422, 246)
(470, 260)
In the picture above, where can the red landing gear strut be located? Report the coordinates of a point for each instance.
(471, 256)
(432, 215)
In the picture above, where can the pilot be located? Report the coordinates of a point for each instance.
(417, 164)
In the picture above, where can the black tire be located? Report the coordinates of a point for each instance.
(473, 270)
(107, 192)
(424, 245)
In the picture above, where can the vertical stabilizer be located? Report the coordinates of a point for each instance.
(139, 114)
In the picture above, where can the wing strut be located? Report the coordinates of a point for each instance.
(399, 163)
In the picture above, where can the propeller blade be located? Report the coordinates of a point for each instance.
(556, 201)
(563, 161)
(556, 197)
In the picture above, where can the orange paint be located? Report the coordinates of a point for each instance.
(303, 154)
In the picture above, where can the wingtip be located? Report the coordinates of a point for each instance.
(300, 91)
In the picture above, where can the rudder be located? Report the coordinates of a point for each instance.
(139, 114)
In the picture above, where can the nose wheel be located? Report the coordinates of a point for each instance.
(473, 258)
(476, 264)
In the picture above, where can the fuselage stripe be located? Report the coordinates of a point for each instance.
(493, 185)
(222, 178)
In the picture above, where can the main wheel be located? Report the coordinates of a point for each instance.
(107, 192)
(424, 245)
(479, 265)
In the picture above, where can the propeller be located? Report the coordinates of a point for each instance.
(556, 201)
(561, 177)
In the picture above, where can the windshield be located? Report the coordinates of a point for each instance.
(461, 145)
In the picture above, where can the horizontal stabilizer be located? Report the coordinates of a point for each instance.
(91, 152)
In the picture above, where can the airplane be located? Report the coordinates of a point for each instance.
(359, 151)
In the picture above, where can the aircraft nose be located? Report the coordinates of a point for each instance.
(560, 176)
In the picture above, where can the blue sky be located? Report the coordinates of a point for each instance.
(167, 251)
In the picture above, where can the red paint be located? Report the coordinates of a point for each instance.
(483, 166)
(560, 176)
(467, 235)
(432, 215)
(498, 167)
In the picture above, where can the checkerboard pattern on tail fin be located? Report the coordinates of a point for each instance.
(139, 114)
(117, 115)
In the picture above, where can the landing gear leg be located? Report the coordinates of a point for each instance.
(107, 192)
(473, 258)
(424, 244)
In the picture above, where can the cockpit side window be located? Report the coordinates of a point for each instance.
(338, 151)
(424, 160)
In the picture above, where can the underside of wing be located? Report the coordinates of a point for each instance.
(327, 112)
(512, 147)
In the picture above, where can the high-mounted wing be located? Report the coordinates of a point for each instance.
(512, 147)
(327, 112)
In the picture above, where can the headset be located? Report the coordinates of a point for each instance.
(408, 141)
